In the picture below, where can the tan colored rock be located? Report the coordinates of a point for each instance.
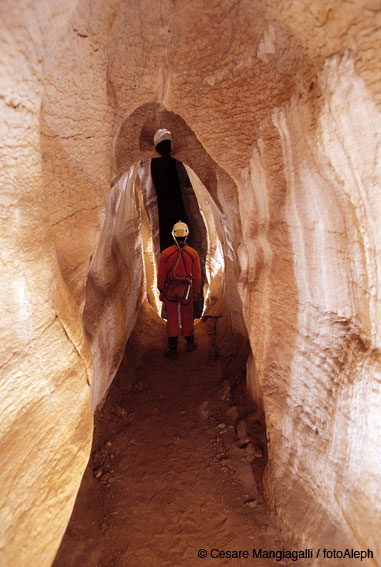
(273, 110)
(335, 363)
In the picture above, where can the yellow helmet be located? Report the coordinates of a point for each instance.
(180, 229)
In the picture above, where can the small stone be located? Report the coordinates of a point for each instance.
(242, 433)
(221, 426)
(232, 412)
(108, 444)
(251, 503)
(99, 473)
(225, 394)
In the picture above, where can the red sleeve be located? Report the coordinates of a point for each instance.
(196, 274)
(162, 271)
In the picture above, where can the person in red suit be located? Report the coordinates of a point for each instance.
(179, 281)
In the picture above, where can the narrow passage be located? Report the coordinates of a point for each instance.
(169, 474)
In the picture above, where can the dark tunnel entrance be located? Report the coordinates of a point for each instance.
(177, 201)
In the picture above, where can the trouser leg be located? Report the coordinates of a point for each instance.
(173, 329)
(187, 319)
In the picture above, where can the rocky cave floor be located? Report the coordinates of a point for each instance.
(171, 470)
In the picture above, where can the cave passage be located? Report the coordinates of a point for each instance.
(178, 449)
(171, 470)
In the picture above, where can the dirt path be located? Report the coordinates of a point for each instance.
(167, 476)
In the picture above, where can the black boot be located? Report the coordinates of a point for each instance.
(191, 345)
(172, 348)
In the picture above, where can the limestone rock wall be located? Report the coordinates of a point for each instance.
(46, 367)
(334, 370)
(114, 289)
(273, 105)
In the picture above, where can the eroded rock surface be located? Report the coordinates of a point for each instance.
(273, 106)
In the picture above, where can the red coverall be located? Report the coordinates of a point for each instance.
(188, 264)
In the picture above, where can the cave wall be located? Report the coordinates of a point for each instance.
(46, 367)
(330, 412)
(282, 97)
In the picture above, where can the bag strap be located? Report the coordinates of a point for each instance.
(189, 276)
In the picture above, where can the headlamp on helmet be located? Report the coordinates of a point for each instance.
(180, 229)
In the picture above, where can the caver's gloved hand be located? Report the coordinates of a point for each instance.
(162, 296)
(194, 296)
